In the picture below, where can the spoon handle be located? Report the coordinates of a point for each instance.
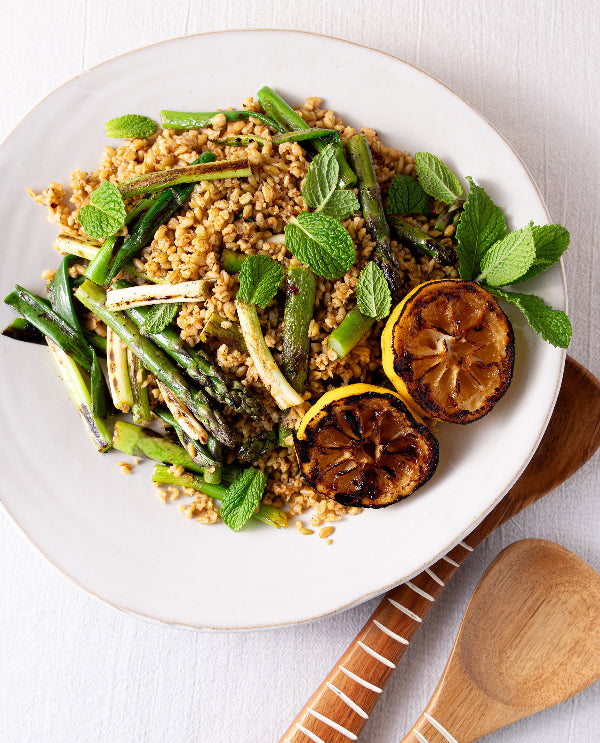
(341, 705)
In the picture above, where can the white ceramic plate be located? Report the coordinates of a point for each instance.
(107, 531)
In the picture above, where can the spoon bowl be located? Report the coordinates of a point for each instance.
(530, 639)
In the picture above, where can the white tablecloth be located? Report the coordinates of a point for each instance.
(73, 669)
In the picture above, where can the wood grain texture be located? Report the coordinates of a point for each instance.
(530, 639)
(331, 713)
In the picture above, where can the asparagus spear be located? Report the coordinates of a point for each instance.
(144, 442)
(214, 474)
(299, 304)
(159, 213)
(349, 332)
(40, 314)
(231, 261)
(140, 408)
(197, 451)
(251, 450)
(184, 120)
(267, 514)
(157, 362)
(215, 335)
(359, 154)
(414, 237)
(289, 120)
(197, 364)
(451, 215)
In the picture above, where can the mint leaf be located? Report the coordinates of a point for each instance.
(159, 316)
(406, 196)
(130, 126)
(320, 187)
(242, 497)
(321, 243)
(436, 178)
(260, 277)
(481, 225)
(106, 214)
(373, 294)
(509, 258)
(553, 325)
(340, 205)
(322, 177)
(551, 241)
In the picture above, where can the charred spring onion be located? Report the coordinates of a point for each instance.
(282, 392)
(201, 120)
(136, 296)
(157, 362)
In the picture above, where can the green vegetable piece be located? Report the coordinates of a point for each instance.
(553, 325)
(406, 196)
(481, 225)
(131, 126)
(61, 296)
(260, 277)
(508, 259)
(353, 328)
(159, 316)
(551, 241)
(373, 295)
(321, 243)
(242, 497)
(320, 188)
(436, 178)
(98, 389)
(232, 261)
(106, 214)
(97, 271)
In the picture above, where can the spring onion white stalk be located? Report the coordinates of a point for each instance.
(119, 382)
(135, 296)
(183, 416)
(78, 389)
(281, 390)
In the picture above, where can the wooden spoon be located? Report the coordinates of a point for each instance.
(340, 707)
(530, 638)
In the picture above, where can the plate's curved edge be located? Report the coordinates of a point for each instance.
(380, 590)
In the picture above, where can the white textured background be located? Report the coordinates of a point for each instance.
(72, 669)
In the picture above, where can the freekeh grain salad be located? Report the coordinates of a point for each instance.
(296, 302)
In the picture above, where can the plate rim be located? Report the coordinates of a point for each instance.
(379, 591)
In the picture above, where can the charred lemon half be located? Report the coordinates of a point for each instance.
(361, 446)
(449, 350)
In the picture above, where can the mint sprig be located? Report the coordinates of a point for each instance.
(159, 316)
(406, 196)
(436, 178)
(373, 294)
(320, 189)
(481, 225)
(551, 241)
(553, 325)
(130, 126)
(508, 259)
(321, 243)
(242, 497)
(106, 214)
(260, 277)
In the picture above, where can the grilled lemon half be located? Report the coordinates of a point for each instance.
(361, 446)
(449, 350)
